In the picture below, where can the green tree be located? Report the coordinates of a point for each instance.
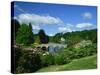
(43, 37)
(25, 35)
(31, 39)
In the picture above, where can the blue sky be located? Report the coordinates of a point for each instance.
(54, 18)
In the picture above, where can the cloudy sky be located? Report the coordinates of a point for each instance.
(54, 18)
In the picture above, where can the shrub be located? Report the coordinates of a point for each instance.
(27, 62)
(86, 51)
(90, 50)
(81, 51)
(31, 62)
(70, 52)
(59, 59)
(18, 54)
(47, 59)
(83, 44)
(62, 58)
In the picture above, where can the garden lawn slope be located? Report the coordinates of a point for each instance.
(89, 62)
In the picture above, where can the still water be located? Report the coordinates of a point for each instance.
(54, 47)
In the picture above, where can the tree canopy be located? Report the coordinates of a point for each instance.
(43, 37)
(25, 35)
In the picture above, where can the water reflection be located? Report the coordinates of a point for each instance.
(54, 47)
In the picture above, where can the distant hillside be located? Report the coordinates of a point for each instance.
(72, 38)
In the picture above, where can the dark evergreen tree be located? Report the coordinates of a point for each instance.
(31, 33)
(43, 37)
(15, 25)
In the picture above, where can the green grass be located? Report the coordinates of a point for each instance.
(89, 62)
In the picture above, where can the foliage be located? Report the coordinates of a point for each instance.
(25, 35)
(43, 37)
(70, 52)
(85, 51)
(83, 43)
(82, 51)
(89, 62)
(60, 59)
(18, 54)
(57, 37)
(27, 61)
(72, 38)
(47, 60)
(36, 39)
(80, 44)
(56, 59)
(30, 62)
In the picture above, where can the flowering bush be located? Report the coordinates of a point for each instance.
(83, 43)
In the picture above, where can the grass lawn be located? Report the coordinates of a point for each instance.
(89, 62)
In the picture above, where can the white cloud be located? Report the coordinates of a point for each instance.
(64, 29)
(36, 27)
(38, 19)
(84, 25)
(15, 17)
(67, 28)
(87, 15)
(51, 34)
(69, 25)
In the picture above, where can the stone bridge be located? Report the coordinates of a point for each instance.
(52, 47)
